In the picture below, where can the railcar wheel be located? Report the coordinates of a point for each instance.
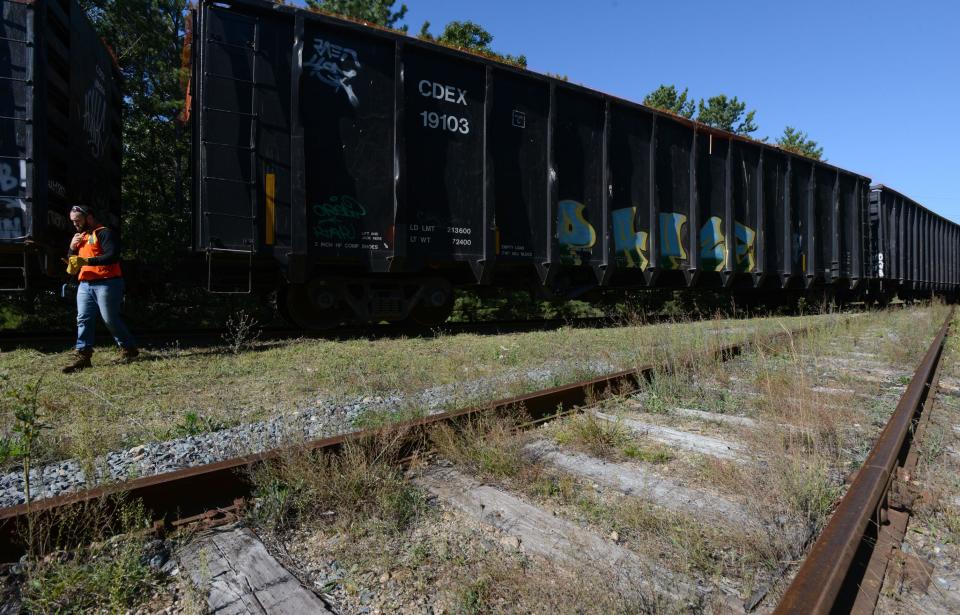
(313, 306)
(434, 307)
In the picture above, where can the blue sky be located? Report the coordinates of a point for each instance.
(877, 83)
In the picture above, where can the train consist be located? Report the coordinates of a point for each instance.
(59, 135)
(364, 175)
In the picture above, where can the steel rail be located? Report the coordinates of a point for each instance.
(197, 492)
(831, 577)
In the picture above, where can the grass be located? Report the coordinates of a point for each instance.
(653, 453)
(676, 539)
(462, 568)
(606, 439)
(488, 446)
(937, 511)
(933, 533)
(598, 437)
(364, 495)
(492, 449)
(376, 418)
(475, 597)
(805, 439)
(111, 578)
(362, 489)
(812, 440)
(115, 406)
(76, 569)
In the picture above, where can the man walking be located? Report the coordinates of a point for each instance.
(95, 256)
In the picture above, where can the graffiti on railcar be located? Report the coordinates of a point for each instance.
(713, 245)
(12, 208)
(336, 66)
(746, 239)
(630, 244)
(338, 223)
(671, 240)
(95, 115)
(12, 212)
(575, 234)
(9, 180)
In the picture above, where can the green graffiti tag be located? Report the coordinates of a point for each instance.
(337, 219)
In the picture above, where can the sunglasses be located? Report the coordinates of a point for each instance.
(79, 209)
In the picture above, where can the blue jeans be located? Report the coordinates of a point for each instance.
(104, 296)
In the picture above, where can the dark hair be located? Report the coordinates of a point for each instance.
(82, 209)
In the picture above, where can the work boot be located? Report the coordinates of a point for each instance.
(127, 355)
(81, 360)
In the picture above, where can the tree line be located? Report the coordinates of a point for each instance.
(464, 34)
(728, 114)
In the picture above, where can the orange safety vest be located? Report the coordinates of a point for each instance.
(90, 247)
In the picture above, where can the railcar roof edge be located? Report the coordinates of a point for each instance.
(886, 188)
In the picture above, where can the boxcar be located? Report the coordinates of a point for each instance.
(59, 134)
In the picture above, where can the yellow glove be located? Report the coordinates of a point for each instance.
(74, 264)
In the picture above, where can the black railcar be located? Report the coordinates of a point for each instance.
(59, 134)
(376, 171)
(917, 252)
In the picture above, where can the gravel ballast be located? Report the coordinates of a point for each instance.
(324, 418)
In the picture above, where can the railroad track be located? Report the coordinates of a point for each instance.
(845, 569)
(217, 490)
(217, 494)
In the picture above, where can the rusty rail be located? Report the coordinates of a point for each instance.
(205, 491)
(844, 569)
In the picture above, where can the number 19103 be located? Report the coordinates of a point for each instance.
(442, 121)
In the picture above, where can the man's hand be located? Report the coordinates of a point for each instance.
(75, 242)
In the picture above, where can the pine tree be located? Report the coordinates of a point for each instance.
(667, 98)
(147, 39)
(469, 35)
(796, 141)
(728, 114)
(378, 12)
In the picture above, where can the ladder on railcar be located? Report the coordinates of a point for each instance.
(230, 253)
(16, 128)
